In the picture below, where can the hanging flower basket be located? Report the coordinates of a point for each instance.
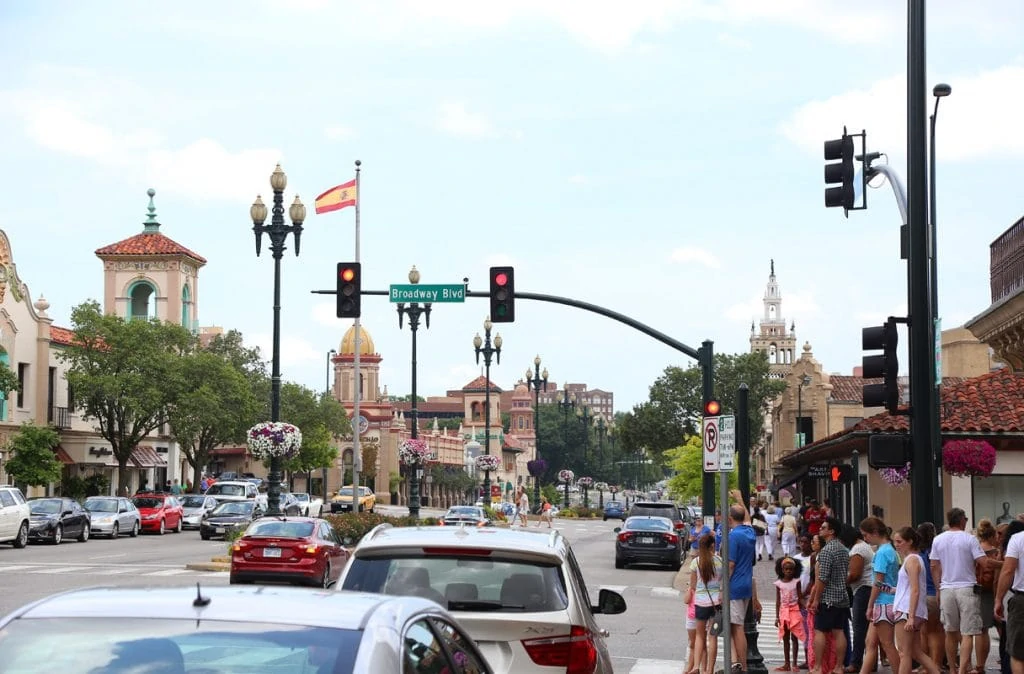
(896, 477)
(488, 462)
(968, 458)
(613, 489)
(565, 475)
(585, 481)
(273, 439)
(537, 467)
(414, 452)
(601, 486)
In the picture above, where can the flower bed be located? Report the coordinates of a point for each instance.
(273, 438)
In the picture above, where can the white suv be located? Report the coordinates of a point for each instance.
(14, 517)
(519, 594)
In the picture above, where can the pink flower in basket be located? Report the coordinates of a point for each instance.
(414, 452)
(897, 477)
(565, 475)
(968, 457)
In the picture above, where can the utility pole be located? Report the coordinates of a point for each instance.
(706, 359)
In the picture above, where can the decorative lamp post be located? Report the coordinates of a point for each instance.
(414, 310)
(327, 390)
(602, 430)
(484, 346)
(804, 381)
(537, 380)
(278, 232)
(586, 418)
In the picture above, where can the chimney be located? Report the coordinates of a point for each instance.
(858, 370)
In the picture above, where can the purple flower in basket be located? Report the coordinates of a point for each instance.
(896, 477)
(537, 467)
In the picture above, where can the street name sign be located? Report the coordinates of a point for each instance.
(726, 443)
(414, 292)
(710, 435)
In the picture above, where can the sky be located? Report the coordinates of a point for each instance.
(649, 157)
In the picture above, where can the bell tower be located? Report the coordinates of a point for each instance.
(773, 339)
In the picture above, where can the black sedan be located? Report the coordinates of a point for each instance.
(227, 517)
(471, 516)
(647, 539)
(53, 519)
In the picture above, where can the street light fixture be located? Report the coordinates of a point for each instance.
(568, 403)
(278, 232)
(414, 311)
(804, 381)
(538, 380)
(484, 346)
(586, 418)
(327, 392)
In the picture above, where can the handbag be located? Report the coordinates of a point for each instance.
(715, 624)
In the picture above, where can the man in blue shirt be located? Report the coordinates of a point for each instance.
(742, 589)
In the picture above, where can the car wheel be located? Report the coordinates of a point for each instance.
(620, 563)
(58, 535)
(178, 528)
(84, 536)
(605, 518)
(115, 531)
(325, 582)
(163, 529)
(203, 535)
(22, 539)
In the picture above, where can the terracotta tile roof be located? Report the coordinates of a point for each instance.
(148, 243)
(61, 336)
(850, 389)
(480, 384)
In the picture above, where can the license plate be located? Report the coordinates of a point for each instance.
(646, 540)
(271, 552)
(219, 530)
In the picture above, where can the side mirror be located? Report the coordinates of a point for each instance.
(617, 529)
(609, 602)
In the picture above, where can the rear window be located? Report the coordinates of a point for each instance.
(88, 645)
(148, 502)
(276, 528)
(226, 490)
(648, 524)
(468, 583)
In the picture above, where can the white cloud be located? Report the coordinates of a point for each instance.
(206, 169)
(979, 119)
(453, 118)
(734, 41)
(697, 255)
(794, 306)
(325, 313)
(339, 132)
(294, 350)
(578, 180)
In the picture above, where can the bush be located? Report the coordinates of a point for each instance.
(567, 512)
(233, 535)
(351, 527)
(580, 511)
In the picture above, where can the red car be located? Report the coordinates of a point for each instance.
(159, 512)
(301, 550)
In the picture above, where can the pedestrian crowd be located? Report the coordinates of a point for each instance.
(849, 599)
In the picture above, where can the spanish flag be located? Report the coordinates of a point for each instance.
(336, 198)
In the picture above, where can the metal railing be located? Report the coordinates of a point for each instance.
(1006, 266)
(59, 417)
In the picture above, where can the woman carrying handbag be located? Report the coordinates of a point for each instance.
(705, 593)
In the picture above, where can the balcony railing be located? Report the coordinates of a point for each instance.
(59, 417)
(1006, 266)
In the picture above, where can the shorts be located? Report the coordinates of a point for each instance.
(691, 624)
(961, 610)
(738, 611)
(987, 602)
(829, 618)
(704, 612)
(883, 613)
(1015, 626)
(902, 617)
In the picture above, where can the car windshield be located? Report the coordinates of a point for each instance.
(45, 506)
(148, 502)
(233, 508)
(613, 504)
(468, 583)
(345, 491)
(301, 497)
(101, 505)
(469, 511)
(670, 512)
(648, 524)
(193, 501)
(270, 528)
(88, 645)
(226, 490)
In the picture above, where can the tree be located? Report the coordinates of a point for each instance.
(124, 375)
(687, 462)
(248, 361)
(449, 424)
(34, 462)
(321, 418)
(215, 406)
(407, 398)
(8, 381)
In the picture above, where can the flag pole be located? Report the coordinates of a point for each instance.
(357, 458)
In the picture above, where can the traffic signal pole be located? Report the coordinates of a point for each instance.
(706, 358)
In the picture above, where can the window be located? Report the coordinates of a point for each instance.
(458, 646)
(22, 378)
(141, 300)
(421, 650)
(186, 307)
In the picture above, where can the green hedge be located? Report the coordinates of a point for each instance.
(351, 527)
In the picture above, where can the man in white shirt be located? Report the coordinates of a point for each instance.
(954, 560)
(1012, 578)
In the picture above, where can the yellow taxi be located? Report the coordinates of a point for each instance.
(341, 502)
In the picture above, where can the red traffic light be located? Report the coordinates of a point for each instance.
(347, 274)
(712, 408)
(501, 279)
(837, 474)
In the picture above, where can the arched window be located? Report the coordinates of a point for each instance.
(186, 307)
(141, 300)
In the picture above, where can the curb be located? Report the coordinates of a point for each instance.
(209, 566)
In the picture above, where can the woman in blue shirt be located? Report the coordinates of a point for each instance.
(880, 612)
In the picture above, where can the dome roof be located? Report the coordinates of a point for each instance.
(348, 342)
(521, 391)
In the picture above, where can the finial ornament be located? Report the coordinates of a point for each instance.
(151, 224)
(773, 266)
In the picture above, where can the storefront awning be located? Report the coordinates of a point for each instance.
(145, 456)
(63, 456)
(789, 480)
(236, 451)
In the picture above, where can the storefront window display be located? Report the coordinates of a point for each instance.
(999, 497)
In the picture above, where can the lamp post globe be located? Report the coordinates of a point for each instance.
(414, 310)
(537, 380)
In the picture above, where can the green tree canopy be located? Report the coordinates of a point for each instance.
(686, 461)
(8, 381)
(124, 374)
(34, 462)
(321, 419)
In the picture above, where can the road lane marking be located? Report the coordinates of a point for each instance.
(651, 666)
(614, 588)
(61, 569)
(4, 569)
(123, 554)
(112, 571)
(166, 572)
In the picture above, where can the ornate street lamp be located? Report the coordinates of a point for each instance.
(537, 380)
(586, 418)
(804, 381)
(278, 232)
(414, 311)
(484, 346)
(327, 390)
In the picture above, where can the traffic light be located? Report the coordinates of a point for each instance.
(712, 408)
(503, 295)
(839, 173)
(350, 280)
(842, 473)
(885, 366)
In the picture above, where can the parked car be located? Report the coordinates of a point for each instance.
(236, 490)
(289, 505)
(614, 509)
(194, 507)
(342, 501)
(56, 517)
(277, 549)
(226, 517)
(14, 517)
(112, 516)
(660, 509)
(647, 539)
(462, 514)
(231, 629)
(312, 506)
(519, 593)
(159, 512)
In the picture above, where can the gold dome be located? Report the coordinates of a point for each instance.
(348, 342)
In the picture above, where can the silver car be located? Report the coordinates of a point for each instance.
(112, 516)
(520, 594)
(195, 506)
(233, 630)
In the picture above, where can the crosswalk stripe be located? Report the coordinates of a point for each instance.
(649, 666)
(112, 572)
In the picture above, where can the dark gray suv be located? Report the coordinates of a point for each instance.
(660, 509)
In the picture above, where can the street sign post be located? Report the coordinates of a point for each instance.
(726, 443)
(710, 434)
(415, 292)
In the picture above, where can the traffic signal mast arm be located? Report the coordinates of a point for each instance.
(898, 190)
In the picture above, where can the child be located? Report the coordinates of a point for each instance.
(692, 667)
(789, 600)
